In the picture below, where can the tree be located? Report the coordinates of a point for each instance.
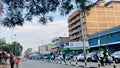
(16, 48)
(2, 42)
(17, 11)
(3, 45)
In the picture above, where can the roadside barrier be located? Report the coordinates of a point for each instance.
(98, 63)
(82, 64)
(114, 65)
(70, 62)
(76, 61)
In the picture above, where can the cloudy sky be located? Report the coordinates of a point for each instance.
(32, 33)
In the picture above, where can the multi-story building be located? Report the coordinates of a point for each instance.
(102, 16)
(106, 39)
(0, 8)
(58, 41)
(0, 12)
(57, 44)
(44, 48)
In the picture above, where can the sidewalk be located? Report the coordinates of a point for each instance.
(4, 66)
(8, 66)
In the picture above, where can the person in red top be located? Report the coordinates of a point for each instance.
(17, 60)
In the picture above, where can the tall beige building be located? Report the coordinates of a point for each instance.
(102, 16)
(44, 48)
(0, 8)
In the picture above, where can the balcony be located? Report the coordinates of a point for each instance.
(73, 21)
(74, 31)
(74, 26)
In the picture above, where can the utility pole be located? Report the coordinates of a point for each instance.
(82, 14)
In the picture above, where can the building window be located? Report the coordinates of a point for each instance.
(109, 36)
(119, 33)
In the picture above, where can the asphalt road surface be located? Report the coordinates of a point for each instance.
(42, 64)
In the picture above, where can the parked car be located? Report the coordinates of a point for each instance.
(116, 56)
(79, 57)
(68, 56)
(90, 57)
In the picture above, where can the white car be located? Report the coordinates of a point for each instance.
(79, 57)
(116, 55)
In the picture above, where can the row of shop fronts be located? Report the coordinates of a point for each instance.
(107, 39)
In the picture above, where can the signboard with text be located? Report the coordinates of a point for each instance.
(77, 44)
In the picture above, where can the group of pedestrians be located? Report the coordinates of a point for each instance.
(14, 61)
(103, 57)
(52, 57)
(9, 59)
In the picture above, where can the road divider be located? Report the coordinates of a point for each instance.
(82, 64)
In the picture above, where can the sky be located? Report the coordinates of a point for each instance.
(31, 34)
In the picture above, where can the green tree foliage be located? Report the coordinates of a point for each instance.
(2, 42)
(16, 48)
(17, 11)
(3, 45)
(5, 48)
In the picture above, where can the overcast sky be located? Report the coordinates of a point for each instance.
(32, 34)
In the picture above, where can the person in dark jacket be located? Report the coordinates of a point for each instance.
(12, 61)
(63, 55)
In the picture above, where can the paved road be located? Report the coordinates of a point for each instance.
(45, 64)
(42, 64)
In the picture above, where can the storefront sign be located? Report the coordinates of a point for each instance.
(76, 44)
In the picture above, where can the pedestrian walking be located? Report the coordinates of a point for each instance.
(106, 56)
(12, 61)
(101, 56)
(63, 55)
(16, 62)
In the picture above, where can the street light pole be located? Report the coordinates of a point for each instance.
(15, 41)
(15, 36)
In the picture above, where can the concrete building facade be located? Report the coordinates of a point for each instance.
(59, 40)
(102, 16)
(44, 48)
(0, 8)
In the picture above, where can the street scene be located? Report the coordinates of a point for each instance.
(59, 33)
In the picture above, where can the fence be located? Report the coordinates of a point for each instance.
(82, 64)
